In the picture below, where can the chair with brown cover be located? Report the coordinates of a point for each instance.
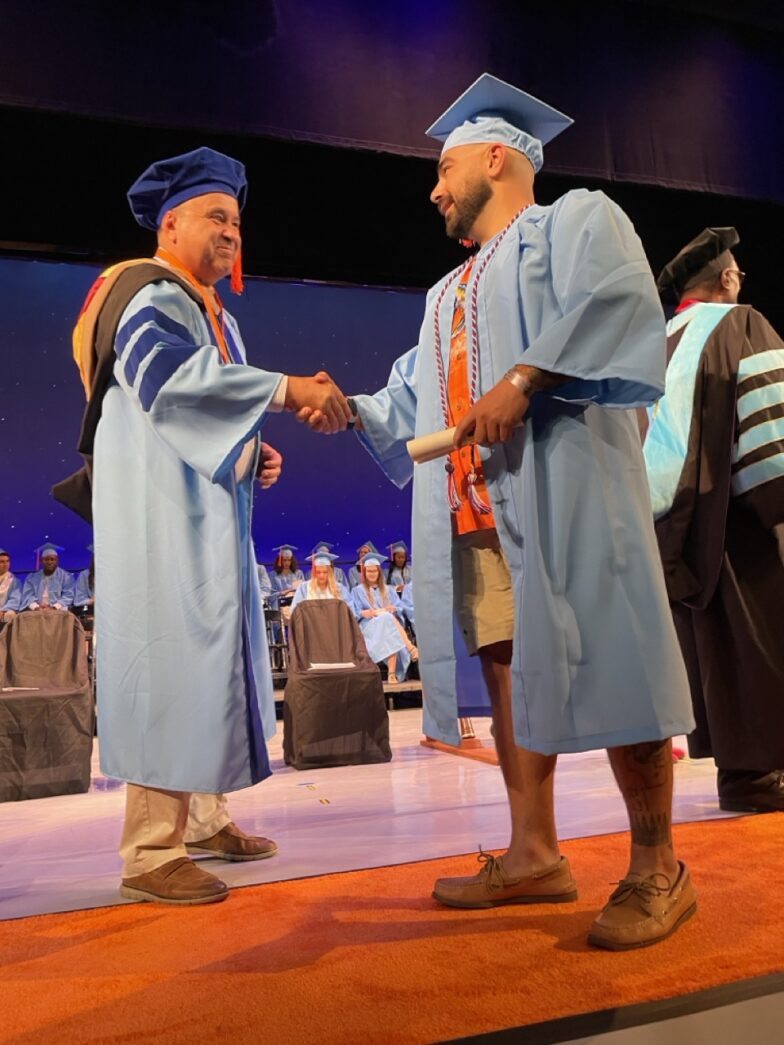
(332, 716)
(46, 707)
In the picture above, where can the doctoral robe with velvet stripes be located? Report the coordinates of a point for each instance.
(715, 459)
(184, 686)
(595, 659)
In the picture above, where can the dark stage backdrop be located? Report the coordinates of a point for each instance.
(330, 490)
(660, 95)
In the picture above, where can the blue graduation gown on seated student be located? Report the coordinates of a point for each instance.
(382, 636)
(407, 603)
(13, 597)
(60, 585)
(185, 697)
(354, 577)
(265, 584)
(398, 576)
(84, 591)
(596, 662)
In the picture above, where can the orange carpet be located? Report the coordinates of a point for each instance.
(367, 956)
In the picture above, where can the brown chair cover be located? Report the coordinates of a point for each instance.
(46, 731)
(332, 717)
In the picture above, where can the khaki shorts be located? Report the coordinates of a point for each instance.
(484, 603)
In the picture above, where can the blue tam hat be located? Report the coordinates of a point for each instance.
(322, 558)
(373, 559)
(168, 183)
(491, 110)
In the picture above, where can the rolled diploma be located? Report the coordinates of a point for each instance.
(430, 447)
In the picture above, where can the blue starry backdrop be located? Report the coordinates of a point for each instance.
(330, 488)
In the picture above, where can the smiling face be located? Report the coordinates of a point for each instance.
(204, 234)
(399, 559)
(372, 573)
(462, 190)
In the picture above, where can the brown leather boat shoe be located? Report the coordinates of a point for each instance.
(493, 887)
(643, 911)
(179, 881)
(231, 843)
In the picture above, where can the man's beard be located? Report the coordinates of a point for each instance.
(468, 209)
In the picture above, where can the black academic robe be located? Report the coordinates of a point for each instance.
(721, 559)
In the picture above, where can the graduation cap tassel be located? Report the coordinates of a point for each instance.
(452, 496)
(480, 507)
(237, 285)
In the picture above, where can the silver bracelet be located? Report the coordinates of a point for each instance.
(522, 382)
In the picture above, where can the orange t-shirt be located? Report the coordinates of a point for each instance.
(466, 518)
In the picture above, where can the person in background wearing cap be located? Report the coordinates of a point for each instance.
(10, 590)
(379, 612)
(399, 572)
(265, 584)
(51, 587)
(185, 701)
(287, 575)
(355, 573)
(715, 458)
(326, 547)
(323, 582)
(537, 347)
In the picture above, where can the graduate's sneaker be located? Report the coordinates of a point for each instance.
(231, 843)
(643, 911)
(493, 887)
(179, 881)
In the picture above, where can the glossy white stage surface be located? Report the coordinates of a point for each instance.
(60, 854)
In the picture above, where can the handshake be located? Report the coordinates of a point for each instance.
(318, 402)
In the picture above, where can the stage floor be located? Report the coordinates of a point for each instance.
(60, 854)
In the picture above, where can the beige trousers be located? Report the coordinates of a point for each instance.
(159, 823)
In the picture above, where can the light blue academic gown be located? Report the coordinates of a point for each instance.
(59, 585)
(265, 584)
(354, 577)
(407, 603)
(12, 601)
(84, 591)
(185, 696)
(381, 634)
(397, 576)
(596, 662)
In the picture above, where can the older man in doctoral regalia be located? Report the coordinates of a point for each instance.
(184, 686)
(552, 568)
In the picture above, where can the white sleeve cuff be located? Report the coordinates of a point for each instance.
(278, 403)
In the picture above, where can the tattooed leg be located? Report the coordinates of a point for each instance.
(644, 775)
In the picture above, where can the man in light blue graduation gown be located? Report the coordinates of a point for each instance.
(567, 333)
(51, 587)
(184, 685)
(10, 590)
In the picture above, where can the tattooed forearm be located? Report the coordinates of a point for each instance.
(650, 829)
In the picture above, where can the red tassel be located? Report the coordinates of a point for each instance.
(237, 286)
(467, 243)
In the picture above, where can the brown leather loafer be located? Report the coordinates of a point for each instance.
(231, 843)
(179, 881)
(644, 911)
(493, 887)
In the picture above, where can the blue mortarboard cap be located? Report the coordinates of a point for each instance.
(283, 548)
(42, 549)
(168, 183)
(491, 110)
(398, 546)
(322, 558)
(4, 552)
(373, 559)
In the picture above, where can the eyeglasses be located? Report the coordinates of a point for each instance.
(741, 275)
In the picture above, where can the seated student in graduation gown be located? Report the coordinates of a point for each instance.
(407, 602)
(323, 583)
(398, 572)
(84, 595)
(10, 589)
(326, 547)
(265, 584)
(378, 610)
(286, 576)
(355, 573)
(51, 587)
